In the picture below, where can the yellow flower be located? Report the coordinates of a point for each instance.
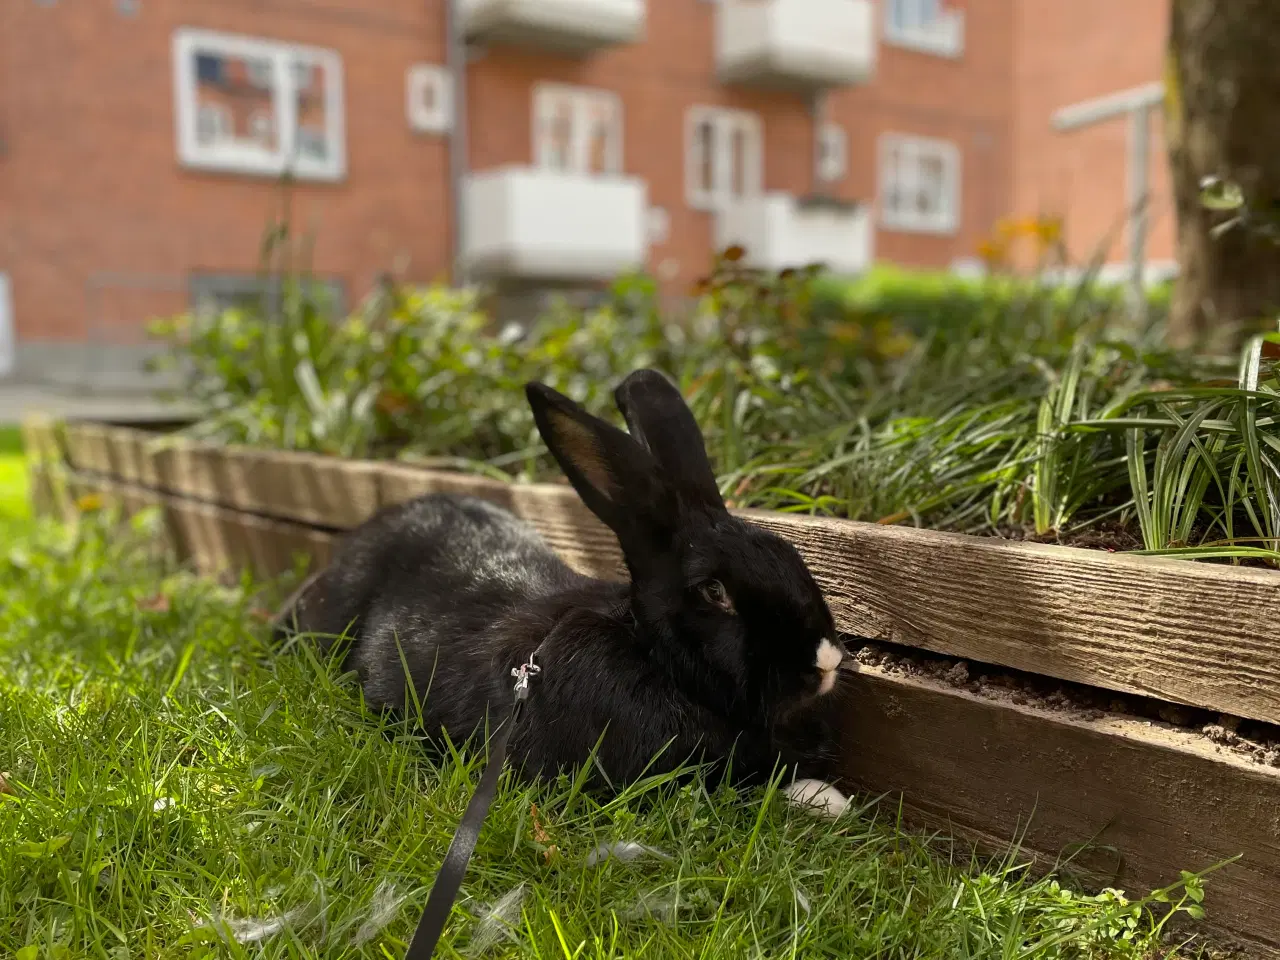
(1048, 230)
(89, 503)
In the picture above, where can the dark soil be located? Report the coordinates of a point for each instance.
(1112, 537)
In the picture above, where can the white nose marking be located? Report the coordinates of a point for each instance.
(829, 656)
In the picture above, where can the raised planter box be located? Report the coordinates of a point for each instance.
(1161, 799)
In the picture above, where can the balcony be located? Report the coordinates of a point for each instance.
(527, 224)
(779, 231)
(795, 44)
(574, 27)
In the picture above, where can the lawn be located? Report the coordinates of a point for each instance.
(13, 475)
(175, 788)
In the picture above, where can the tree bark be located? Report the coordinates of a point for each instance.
(1222, 118)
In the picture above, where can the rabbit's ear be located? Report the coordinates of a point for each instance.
(662, 422)
(615, 476)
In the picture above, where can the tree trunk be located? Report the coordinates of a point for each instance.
(1222, 119)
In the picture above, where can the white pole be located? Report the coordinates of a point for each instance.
(1139, 162)
(1136, 104)
(8, 336)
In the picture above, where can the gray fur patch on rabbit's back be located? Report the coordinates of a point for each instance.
(460, 565)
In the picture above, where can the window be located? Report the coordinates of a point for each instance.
(724, 156)
(429, 98)
(919, 184)
(925, 25)
(259, 107)
(577, 129)
(833, 153)
(261, 128)
(211, 293)
(908, 16)
(213, 122)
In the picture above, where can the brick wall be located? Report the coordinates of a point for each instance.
(1066, 53)
(92, 180)
(90, 183)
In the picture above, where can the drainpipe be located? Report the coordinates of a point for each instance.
(457, 63)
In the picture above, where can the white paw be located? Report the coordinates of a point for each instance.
(818, 798)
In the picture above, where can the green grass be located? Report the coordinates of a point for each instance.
(13, 475)
(167, 771)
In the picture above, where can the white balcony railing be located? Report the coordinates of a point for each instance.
(523, 223)
(561, 26)
(796, 43)
(779, 231)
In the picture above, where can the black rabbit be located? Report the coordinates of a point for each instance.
(720, 647)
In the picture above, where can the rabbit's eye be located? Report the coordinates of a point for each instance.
(714, 593)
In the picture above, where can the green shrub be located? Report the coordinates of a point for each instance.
(924, 300)
(995, 406)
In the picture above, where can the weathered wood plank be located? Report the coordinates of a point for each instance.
(1185, 632)
(1162, 800)
(136, 455)
(46, 468)
(1191, 633)
(217, 540)
(87, 447)
(322, 491)
(307, 488)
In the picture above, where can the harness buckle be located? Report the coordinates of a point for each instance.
(523, 674)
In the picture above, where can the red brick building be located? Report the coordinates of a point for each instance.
(142, 141)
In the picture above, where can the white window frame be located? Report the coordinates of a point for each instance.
(420, 78)
(724, 122)
(581, 99)
(926, 26)
(245, 157)
(833, 156)
(947, 218)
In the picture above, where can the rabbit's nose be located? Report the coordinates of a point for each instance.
(829, 655)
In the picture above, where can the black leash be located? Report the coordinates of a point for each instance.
(449, 879)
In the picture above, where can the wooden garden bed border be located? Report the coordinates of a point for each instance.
(1146, 801)
(1204, 635)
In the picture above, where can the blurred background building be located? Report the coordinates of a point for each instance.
(554, 143)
